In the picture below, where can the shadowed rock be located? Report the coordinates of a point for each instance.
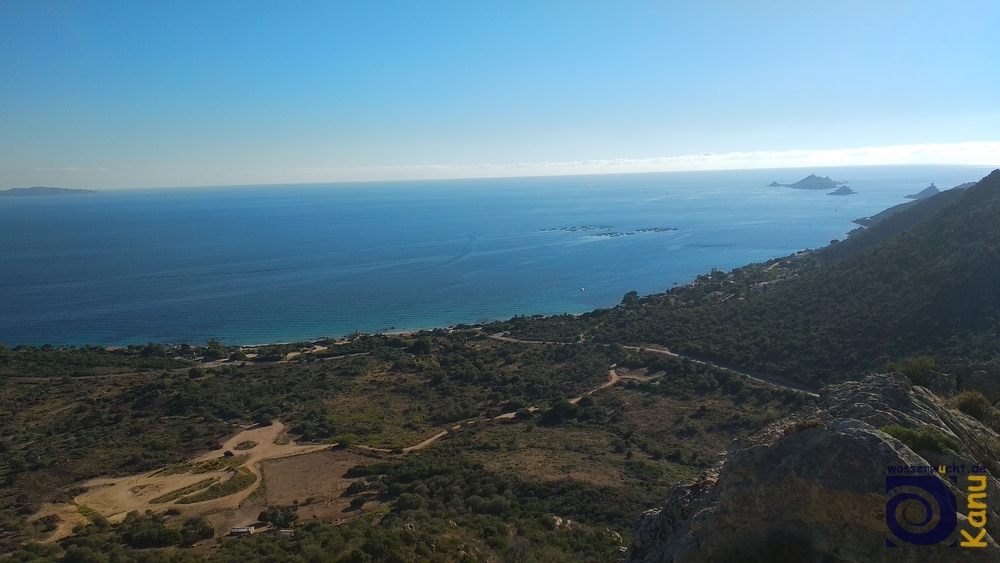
(812, 487)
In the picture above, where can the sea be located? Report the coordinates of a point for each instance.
(284, 263)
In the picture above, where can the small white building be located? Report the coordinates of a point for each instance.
(245, 531)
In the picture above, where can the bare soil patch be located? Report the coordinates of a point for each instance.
(114, 498)
(318, 478)
(69, 517)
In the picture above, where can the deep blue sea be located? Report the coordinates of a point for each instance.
(283, 263)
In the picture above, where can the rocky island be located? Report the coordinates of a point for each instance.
(842, 190)
(812, 182)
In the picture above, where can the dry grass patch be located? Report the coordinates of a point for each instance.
(546, 454)
(390, 421)
(692, 429)
(315, 480)
(178, 493)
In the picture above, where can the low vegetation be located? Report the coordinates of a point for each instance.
(178, 493)
(816, 318)
(929, 438)
(591, 465)
(563, 474)
(241, 479)
(976, 405)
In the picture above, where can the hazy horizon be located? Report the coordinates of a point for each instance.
(227, 93)
(966, 154)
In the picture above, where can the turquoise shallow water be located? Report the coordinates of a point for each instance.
(281, 263)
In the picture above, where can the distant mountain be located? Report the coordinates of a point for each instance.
(812, 182)
(926, 192)
(42, 191)
(842, 190)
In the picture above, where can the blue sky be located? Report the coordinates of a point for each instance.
(140, 94)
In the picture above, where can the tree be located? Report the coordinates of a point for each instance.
(421, 346)
(279, 516)
(215, 350)
(196, 529)
(560, 410)
(153, 351)
(915, 369)
(147, 531)
(264, 418)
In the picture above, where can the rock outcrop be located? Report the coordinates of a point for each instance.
(842, 190)
(813, 487)
(926, 192)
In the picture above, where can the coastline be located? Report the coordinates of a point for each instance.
(328, 263)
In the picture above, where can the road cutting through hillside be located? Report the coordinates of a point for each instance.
(759, 378)
(613, 378)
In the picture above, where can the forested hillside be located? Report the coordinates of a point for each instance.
(931, 289)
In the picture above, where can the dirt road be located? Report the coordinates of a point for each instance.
(760, 378)
(114, 498)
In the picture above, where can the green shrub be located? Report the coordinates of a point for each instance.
(915, 369)
(140, 531)
(237, 483)
(279, 516)
(196, 529)
(178, 493)
(928, 439)
(976, 405)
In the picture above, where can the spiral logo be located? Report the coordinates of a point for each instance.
(920, 519)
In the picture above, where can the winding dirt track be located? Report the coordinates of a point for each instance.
(114, 498)
(613, 378)
(663, 351)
